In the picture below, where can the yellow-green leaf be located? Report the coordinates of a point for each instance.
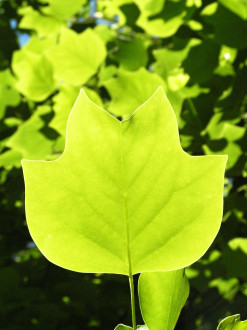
(77, 56)
(124, 197)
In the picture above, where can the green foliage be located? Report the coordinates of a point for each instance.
(28, 134)
(119, 52)
(8, 94)
(237, 7)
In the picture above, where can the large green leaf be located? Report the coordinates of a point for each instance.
(77, 56)
(124, 197)
(232, 323)
(162, 296)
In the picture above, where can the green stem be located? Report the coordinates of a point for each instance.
(132, 294)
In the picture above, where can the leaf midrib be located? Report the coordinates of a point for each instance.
(124, 193)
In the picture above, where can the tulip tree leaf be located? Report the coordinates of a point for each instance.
(131, 55)
(162, 296)
(232, 323)
(124, 196)
(123, 104)
(35, 75)
(135, 91)
(77, 56)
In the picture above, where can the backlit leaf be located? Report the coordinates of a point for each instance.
(10, 158)
(168, 60)
(162, 296)
(138, 86)
(43, 25)
(224, 137)
(9, 96)
(35, 75)
(63, 8)
(131, 54)
(124, 194)
(29, 140)
(77, 56)
(150, 7)
(167, 22)
(123, 327)
(232, 323)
